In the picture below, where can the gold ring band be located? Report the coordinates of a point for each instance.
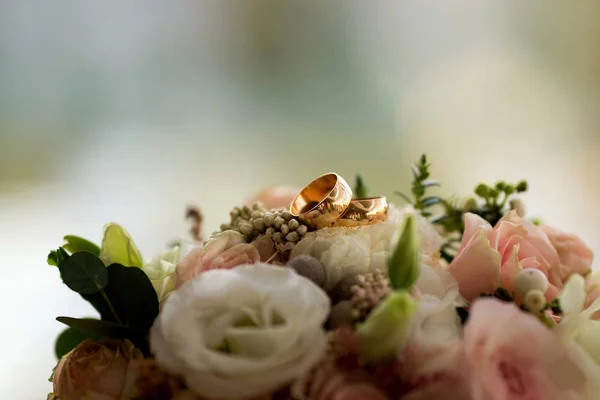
(323, 201)
(362, 212)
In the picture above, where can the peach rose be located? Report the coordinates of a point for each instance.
(492, 257)
(275, 197)
(575, 256)
(94, 370)
(512, 355)
(224, 251)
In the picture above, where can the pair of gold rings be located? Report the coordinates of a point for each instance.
(327, 202)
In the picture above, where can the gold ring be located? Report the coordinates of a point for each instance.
(323, 201)
(365, 211)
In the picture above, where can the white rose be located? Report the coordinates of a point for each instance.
(237, 333)
(580, 332)
(436, 320)
(350, 251)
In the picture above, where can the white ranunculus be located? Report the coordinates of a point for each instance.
(580, 332)
(237, 333)
(350, 251)
(161, 272)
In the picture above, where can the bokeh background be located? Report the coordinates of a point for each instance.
(129, 111)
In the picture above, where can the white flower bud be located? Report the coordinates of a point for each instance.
(287, 215)
(535, 301)
(302, 229)
(246, 228)
(269, 219)
(284, 229)
(518, 206)
(292, 237)
(278, 222)
(293, 224)
(259, 224)
(530, 279)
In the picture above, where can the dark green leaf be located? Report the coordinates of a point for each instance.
(84, 273)
(360, 190)
(96, 327)
(74, 244)
(69, 339)
(132, 296)
(57, 257)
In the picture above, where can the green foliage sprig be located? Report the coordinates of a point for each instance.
(360, 190)
(123, 296)
(491, 203)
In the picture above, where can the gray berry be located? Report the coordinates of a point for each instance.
(225, 227)
(292, 237)
(341, 314)
(302, 229)
(343, 290)
(278, 222)
(284, 229)
(256, 214)
(287, 215)
(270, 231)
(277, 237)
(310, 268)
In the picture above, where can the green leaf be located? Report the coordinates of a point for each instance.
(430, 183)
(69, 339)
(360, 190)
(119, 248)
(57, 257)
(132, 296)
(404, 263)
(431, 201)
(96, 327)
(387, 328)
(84, 273)
(74, 244)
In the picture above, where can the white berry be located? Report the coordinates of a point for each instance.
(535, 301)
(530, 279)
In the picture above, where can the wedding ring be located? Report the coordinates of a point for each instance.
(323, 201)
(365, 211)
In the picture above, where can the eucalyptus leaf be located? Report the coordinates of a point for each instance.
(119, 248)
(74, 244)
(69, 339)
(96, 327)
(84, 273)
(132, 296)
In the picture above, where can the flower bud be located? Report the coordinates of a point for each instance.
(482, 190)
(518, 206)
(530, 279)
(278, 222)
(246, 228)
(269, 219)
(535, 301)
(259, 224)
(522, 186)
(404, 263)
(302, 229)
(292, 237)
(284, 229)
(310, 268)
(293, 224)
(387, 328)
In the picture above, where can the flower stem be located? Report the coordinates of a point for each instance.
(110, 306)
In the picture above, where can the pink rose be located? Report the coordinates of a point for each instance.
(225, 251)
(492, 257)
(511, 355)
(575, 256)
(94, 370)
(275, 197)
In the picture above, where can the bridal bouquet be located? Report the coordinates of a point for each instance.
(325, 293)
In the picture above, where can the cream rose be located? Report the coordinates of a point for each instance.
(237, 333)
(350, 251)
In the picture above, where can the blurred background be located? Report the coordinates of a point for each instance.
(129, 111)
